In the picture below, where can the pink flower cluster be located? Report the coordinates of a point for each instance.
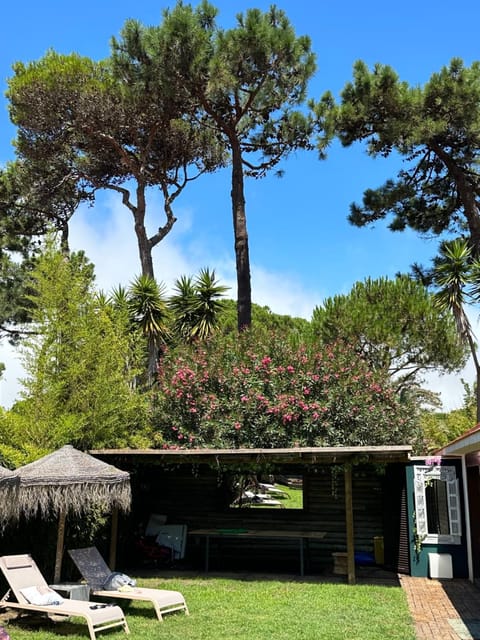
(267, 393)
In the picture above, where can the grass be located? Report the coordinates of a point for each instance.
(254, 609)
(295, 496)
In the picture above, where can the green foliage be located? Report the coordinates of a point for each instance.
(80, 365)
(196, 305)
(259, 390)
(434, 128)
(396, 325)
(182, 304)
(438, 429)
(246, 78)
(148, 308)
(14, 308)
(264, 318)
(148, 311)
(89, 126)
(456, 275)
(191, 313)
(17, 251)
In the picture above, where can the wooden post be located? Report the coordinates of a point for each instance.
(113, 540)
(349, 524)
(60, 542)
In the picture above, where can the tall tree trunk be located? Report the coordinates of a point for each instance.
(152, 362)
(477, 395)
(64, 234)
(144, 251)
(467, 194)
(143, 243)
(244, 291)
(473, 351)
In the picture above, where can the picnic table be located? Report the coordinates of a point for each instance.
(301, 536)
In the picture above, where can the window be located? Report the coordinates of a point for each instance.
(437, 504)
(274, 493)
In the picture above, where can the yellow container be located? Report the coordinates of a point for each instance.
(378, 550)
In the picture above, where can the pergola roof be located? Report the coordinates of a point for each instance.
(294, 455)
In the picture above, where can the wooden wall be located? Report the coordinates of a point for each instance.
(196, 496)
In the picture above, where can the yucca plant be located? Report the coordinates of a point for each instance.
(456, 274)
(149, 310)
(196, 305)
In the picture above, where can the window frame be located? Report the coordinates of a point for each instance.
(447, 474)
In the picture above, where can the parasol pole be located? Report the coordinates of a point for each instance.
(113, 539)
(60, 543)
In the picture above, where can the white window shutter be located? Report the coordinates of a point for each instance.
(453, 493)
(420, 511)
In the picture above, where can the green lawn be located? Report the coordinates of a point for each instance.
(236, 609)
(295, 496)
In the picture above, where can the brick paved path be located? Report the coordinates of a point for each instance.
(443, 609)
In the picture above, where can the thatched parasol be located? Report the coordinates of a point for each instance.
(8, 488)
(70, 481)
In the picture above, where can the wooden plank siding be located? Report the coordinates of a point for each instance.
(196, 496)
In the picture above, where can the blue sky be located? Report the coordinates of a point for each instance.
(302, 248)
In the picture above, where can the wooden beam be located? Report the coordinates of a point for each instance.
(60, 542)
(295, 455)
(349, 524)
(113, 540)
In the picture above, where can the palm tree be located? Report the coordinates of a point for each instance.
(196, 305)
(148, 309)
(208, 304)
(457, 275)
(182, 305)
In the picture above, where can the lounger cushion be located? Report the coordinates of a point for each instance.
(41, 597)
(17, 562)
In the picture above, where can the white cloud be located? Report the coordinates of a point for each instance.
(283, 293)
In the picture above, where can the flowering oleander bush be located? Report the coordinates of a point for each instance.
(258, 390)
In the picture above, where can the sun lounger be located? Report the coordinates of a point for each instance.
(28, 586)
(262, 498)
(95, 571)
(272, 490)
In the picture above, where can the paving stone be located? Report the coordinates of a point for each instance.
(443, 609)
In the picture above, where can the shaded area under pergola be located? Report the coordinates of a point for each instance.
(347, 457)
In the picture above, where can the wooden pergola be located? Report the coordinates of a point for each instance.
(305, 456)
